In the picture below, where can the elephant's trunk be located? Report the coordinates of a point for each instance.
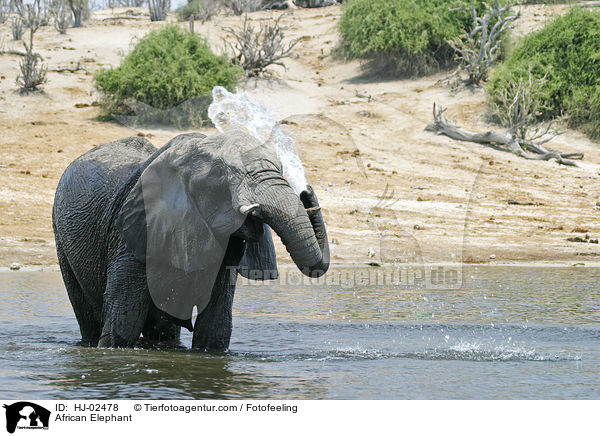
(304, 237)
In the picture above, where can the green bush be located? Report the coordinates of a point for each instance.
(584, 110)
(404, 36)
(167, 78)
(567, 52)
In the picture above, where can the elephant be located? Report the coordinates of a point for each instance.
(144, 235)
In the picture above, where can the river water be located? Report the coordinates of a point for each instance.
(506, 333)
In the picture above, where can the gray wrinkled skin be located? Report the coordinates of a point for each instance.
(144, 235)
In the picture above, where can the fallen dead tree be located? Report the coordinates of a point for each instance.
(504, 141)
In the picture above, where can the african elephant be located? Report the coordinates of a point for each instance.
(144, 235)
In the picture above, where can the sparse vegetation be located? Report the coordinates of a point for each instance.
(168, 76)
(566, 52)
(255, 49)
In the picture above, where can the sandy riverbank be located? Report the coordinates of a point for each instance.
(445, 201)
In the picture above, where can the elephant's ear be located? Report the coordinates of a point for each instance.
(186, 235)
(131, 220)
(259, 261)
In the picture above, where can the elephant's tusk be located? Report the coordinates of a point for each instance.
(311, 211)
(247, 209)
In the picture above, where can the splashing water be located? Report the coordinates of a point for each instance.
(237, 111)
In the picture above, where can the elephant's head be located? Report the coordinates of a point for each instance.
(201, 191)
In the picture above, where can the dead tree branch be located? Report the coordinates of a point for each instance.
(477, 50)
(504, 141)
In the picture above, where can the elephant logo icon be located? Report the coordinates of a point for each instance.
(26, 415)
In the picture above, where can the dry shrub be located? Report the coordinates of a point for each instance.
(477, 49)
(33, 73)
(255, 49)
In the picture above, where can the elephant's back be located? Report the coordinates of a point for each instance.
(86, 191)
(91, 180)
(107, 166)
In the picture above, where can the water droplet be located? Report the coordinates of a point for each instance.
(237, 111)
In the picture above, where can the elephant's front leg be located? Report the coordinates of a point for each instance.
(126, 303)
(212, 330)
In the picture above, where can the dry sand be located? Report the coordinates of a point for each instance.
(390, 191)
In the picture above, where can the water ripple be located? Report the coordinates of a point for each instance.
(463, 351)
